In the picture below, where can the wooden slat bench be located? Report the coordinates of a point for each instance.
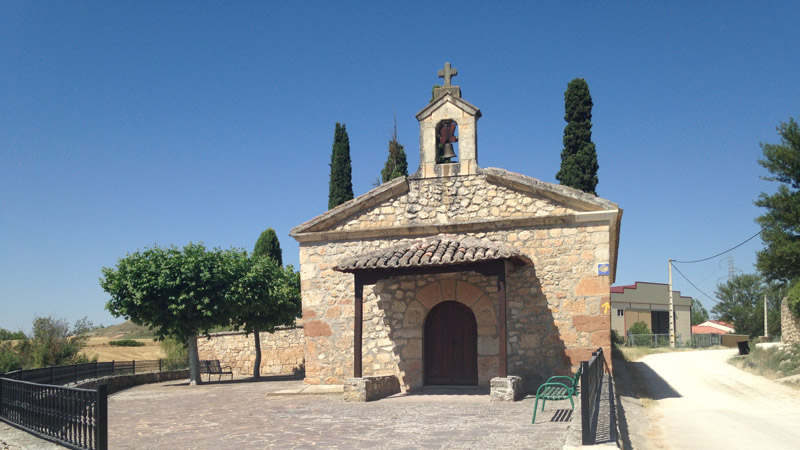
(559, 387)
(213, 367)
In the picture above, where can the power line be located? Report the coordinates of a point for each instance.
(718, 254)
(690, 282)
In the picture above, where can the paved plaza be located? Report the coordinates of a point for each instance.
(242, 415)
(279, 413)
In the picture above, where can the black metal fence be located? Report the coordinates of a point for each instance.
(73, 374)
(75, 418)
(591, 385)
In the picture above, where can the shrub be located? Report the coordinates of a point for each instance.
(126, 343)
(616, 339)
(176, 354)
(640, 328)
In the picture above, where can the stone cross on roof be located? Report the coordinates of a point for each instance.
(447, 73)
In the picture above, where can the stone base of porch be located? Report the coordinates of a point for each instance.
(508, 389)
(366, 389)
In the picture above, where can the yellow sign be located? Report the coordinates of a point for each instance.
(606, 306)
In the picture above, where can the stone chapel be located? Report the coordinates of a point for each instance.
(457, 274)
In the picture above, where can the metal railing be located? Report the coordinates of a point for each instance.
(75, 418)
(591, 384)
(75, 373)
(706, 340)
(651, 340)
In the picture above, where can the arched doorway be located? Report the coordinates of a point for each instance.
(451, 345)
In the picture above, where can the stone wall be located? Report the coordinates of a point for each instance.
(790, 324)
(118, 383)
(281, 352)
(555, 313)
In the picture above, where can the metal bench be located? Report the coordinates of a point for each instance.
(213, 367)
(559, 387)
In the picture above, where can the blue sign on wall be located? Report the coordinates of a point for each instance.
(604, 269)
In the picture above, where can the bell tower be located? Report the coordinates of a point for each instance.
(448, 132)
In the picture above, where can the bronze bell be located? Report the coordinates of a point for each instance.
(448, 152)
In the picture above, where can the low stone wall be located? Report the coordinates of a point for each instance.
(370, 388)
(790, 324)
(121, 382)
(281, 351)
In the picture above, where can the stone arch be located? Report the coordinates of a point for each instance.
(478, 300)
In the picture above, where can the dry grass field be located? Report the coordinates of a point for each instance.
(98, 345)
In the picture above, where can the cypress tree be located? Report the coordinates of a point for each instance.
(578, 158)
(341, 183)
(268, 245)
(396, 164)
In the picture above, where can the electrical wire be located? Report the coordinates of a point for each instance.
(718, 254)
(698, 289)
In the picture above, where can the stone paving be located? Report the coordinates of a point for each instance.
(242, 415)
(245, 414)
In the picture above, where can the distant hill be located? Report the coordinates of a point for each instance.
(124, 330)
(98, 344)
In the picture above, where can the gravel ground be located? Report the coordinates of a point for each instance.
(704, 402)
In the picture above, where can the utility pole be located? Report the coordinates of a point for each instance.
(671, 309)
(766, 330)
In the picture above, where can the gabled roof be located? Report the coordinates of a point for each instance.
(587, 208)
(440, 250)
(458, 101)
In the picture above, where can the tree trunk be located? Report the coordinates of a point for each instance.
(257, 362)
(194, 363)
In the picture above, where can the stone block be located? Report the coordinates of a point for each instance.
(592, 285)
(314, 328)
(430, 295)
(508, 389)
(367, 389)
(601, 338)
(574, 356)
(591, 323)
(467, 293)
(448, 289)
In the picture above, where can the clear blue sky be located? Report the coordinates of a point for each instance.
(129, 124)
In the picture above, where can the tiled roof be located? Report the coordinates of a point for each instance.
(440, 250)
(700, 329)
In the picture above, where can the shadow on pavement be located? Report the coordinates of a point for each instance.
(652, 385)
(263, 379)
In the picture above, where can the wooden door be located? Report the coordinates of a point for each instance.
(451, 345)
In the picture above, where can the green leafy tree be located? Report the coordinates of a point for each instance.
(742, 304)
(8, 335)
(177, 292)
(396, 164)
(780, 224)
(265, 297)
(268, 245)
(10, 358)
(341, 182)
(578, 158)
(699, 313)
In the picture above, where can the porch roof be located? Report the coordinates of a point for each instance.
(435, 251)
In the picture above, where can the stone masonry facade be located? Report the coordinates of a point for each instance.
(790, 324)
(555, 313)
(557, 306)
(282, 352)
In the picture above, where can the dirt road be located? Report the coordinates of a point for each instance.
(704, 402)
